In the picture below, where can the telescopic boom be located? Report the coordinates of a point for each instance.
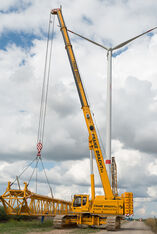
(93, 138)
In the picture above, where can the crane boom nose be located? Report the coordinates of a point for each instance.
(54, 11)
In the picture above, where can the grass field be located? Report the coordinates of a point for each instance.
(152, 223)
(24, 224)
(18, 227)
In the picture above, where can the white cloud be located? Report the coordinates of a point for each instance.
(152, 191)
(153, 213)
(141, 211)
(7, 4)
(152, 168)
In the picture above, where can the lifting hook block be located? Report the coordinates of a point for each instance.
(39, 148)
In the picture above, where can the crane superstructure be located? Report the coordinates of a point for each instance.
(108, 208)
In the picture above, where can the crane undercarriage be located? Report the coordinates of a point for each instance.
(88, 220)
(25, 202)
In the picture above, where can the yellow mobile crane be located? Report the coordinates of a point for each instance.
(102, 211)
(105, 210)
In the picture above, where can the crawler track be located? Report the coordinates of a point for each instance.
(113, 223)
(58, 221)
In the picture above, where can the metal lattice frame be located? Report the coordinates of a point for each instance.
(25, 202)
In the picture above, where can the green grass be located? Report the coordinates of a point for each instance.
(18, 227)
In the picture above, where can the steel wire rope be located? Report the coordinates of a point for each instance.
(89, 101)
(45, 85)
(49, 69)
(99, 135)
(92, 112)
(37, 174)
(46, 177)
(44, 96)
(24, 170)
(37, 160)
(96, 125)
(97, 129)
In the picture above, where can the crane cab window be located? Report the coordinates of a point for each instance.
(84, 201)
(77, 201)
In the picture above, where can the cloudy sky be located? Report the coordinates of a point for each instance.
(23, 35)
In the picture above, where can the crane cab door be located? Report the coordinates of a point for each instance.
(80, 203)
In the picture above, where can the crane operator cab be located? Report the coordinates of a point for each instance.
(80, 203)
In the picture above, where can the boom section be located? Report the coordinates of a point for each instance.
(93, 138)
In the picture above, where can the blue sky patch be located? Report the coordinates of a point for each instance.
(150, 34)
(23, 62)
(87, 20)
(20, 6)
(106, 42)
(47, 164)
(118, 52)
(22, 111)
(21, 39)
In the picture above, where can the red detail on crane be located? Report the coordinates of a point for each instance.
(39, 148)
(54, 11)
(108, 161)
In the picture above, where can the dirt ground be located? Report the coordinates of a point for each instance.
(133, 227)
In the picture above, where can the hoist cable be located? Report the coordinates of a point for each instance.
(43, 105)
(99, 135)
(37, 174)
(45, 81)
(43, 86)
(24, 170)
(92, 112)
(37, 159)
(48, 78)
(46, 177)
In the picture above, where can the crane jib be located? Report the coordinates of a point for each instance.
(95, 146)
(72, 59)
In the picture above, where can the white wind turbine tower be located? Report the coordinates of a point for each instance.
(109, 91)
